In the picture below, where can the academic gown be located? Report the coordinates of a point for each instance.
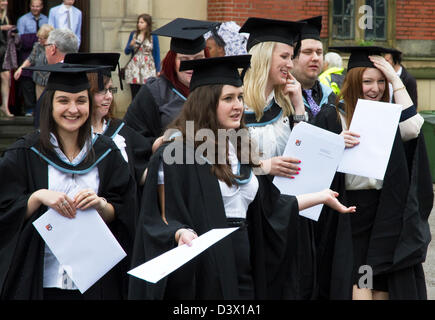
(400, 235)
(138, 150)
(301, 282)
(154, 107)
(193, 200)
(24, 171)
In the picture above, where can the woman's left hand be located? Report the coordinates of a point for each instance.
(331, 201)
(87, 198)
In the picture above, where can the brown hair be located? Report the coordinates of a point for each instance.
(351, 91)
(93, 81)
(148, 19)
(200, 108)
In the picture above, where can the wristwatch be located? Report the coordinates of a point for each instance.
(300, 117)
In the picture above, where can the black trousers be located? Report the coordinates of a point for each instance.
(26, 91)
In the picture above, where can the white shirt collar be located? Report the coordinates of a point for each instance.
(63, 157)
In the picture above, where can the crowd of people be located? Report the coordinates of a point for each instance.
(255, 82)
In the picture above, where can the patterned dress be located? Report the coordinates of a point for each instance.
(142, 66)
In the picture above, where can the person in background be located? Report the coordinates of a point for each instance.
(332, 75)
(66, 16)
(134, 148)
(308, 65)
(28, 27)
(61, 167)
(182, 201)
(394, 57)
(145, 54)
(5, 75)
(225, 40)
(37, 58)
(58, 44)
(390, 234)
(161, 99)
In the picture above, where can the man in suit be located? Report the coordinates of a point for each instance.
(394, 57)
(66, 16)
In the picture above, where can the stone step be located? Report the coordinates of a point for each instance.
(12, 129)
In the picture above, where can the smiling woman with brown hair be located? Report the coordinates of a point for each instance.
(62, 167)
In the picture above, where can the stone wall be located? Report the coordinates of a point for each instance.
(112, 21)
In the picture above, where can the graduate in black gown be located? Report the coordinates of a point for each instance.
(198, 193)
(274, 105)
(135, 149)
(389, 234)
(40, 170)
(160, 100)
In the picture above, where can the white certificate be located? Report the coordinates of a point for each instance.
(161, 266)
(376, 123)
(83, 245)
(320, 152)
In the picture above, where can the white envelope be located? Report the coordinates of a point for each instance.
(320, 152)
(376, 123)
(84, 245)
(161, 266)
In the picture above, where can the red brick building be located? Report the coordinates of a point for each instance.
(405, 24)
(408, 25)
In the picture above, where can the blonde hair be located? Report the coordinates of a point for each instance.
(44, 31)
(256, 78)
(3, 16)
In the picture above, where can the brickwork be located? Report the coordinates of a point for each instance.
(240, 10)
(415, 19)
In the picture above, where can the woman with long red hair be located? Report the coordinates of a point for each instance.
(377, 254)
(160, 100)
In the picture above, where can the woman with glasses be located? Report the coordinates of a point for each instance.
(134, 148)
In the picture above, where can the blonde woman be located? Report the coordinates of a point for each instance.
(272, 94)
(5, 75)
(273, 105)
(37, 58)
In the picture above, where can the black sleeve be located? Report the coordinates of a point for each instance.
(143, 115)
(139, 151)
(328, 119)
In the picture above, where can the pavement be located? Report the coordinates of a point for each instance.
(429, 265)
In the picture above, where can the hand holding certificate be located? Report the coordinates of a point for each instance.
(320, 152)
(376, 123)
(163, 265)
(83, 245)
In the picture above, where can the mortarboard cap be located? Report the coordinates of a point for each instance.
(68, 77)
(186, 34)
(312, 28)
(359, 55)
(262, 30)
(220, 70)
(97, 59)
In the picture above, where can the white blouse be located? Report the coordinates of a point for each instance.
(236, 198)
(117, 139)
(272, 137)
(54, 273)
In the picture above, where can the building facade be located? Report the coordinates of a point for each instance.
(408, 25)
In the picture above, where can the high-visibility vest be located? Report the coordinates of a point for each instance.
(333, 78)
